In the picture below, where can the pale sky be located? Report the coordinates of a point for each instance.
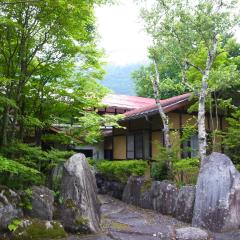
(121, 32)
(122, 35)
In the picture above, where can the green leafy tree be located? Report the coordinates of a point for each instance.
(232, 137)
(170, 83)
(182, 29)
(41, 41)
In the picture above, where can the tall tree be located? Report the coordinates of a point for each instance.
(183, 27)
(170, 84)
(40, 43)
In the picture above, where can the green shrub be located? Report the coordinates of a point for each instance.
(34, 157)
(92, 162)
(16, 175)
(31, 165)
(231, 138)
(159, 171)
(162, 168)
(122, 170)
(186, 171)
(186, 164)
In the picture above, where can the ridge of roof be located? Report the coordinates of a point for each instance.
(128, 102)
(168, 104)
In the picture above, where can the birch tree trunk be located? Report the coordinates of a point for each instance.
(164, 117)
(166, 133)
(202, 135)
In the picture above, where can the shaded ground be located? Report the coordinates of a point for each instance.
(124, 222)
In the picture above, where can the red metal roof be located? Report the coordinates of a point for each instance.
(168, 105)
(127, 102)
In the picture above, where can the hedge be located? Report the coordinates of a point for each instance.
(121, 170)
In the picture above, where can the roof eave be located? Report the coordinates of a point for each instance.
(167, 108)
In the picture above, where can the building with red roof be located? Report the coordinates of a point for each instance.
(142, 132)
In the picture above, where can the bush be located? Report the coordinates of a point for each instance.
(34, 157)
(30, 164)
(17, 175)
(186, 171)
(159, 171)
(231, 139)
(121, 170)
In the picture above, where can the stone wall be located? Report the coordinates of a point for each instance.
(163, 197)
(110, 187)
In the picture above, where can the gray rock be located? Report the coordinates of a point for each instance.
(164, 197)
(80, 211)
(217, 204)
(191, 233)
(107, 186)
(138, 192)
(9, 210)
(42, 203)
(185, 203)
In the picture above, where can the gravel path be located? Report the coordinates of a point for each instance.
(125, 222)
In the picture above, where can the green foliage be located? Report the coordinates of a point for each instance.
(186, 164)
(12, 227)
(159, 171)
(169, 86)
(26, 199)
(34, 157)
(121, 170)
(30, 166)
(186, 171)
(188, 131)
(60, 138)
(92, 162)
(231, 139)
(37, 230)
(17, 175)
(59, 83)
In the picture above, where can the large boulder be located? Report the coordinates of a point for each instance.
(9, 210)
(217, 203)
(185, 203)
(191, 233)
(138, 192)
(164, 197)
(42, 203)
(80, 211)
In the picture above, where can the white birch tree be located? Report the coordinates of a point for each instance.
(181, 28)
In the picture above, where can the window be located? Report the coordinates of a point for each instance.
(130, 147)
(139, 146)
(190, 147)
(194, 146)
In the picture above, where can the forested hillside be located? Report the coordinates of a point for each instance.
(118, 79)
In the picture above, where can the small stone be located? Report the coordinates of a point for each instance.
(48, 225)
(191, 233)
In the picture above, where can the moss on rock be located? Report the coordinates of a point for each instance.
(147, 184)
(36, 229)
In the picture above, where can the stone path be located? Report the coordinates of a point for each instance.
(124, 222)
